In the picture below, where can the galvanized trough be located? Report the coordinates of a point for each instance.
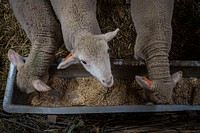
(15, 100)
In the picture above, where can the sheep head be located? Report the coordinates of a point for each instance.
(27, 80)
(92, 52)
(158, 91)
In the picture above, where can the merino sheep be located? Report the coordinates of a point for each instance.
(152, 20)
(82, 36)
(39, 22)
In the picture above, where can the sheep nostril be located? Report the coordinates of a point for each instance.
(108, 80)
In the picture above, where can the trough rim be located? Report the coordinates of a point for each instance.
(13, 108)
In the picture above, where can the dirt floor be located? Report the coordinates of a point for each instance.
(185, 46)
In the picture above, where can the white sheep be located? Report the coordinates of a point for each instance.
(39, 22)
(82, 36)
(152, 20)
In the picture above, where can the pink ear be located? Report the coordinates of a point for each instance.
(177, 77)
(144, 82)
(147, 80)
(67, 62)
(40, 86)
(15, 58)
(110, 35)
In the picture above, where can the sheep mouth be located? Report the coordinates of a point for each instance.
(108, 83)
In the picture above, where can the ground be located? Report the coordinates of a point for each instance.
(185, 46)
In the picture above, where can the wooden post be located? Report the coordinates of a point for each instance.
(51, 118)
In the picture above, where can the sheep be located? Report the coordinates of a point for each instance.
(42, 28)
(152, 21)
(82, 36)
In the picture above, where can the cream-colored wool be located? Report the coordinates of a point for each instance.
(82, 36)
(152, 20)
(39, 22)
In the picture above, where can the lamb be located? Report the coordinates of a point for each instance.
(152, 20)
(39, 22)
(82, 36)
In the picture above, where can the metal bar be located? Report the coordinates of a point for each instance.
(127, 69)
(9, 87)
(98, 109)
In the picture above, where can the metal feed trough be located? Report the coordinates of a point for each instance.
(15, 100)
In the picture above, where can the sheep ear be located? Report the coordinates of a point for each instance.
(69, 61)
(110, 35)
(15, 58)
(40, 86)
(143, 83)
(177, 77)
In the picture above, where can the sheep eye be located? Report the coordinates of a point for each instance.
(83, 62)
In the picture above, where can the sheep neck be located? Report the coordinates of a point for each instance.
(41, 55)
(157, 65)
(79, 35)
